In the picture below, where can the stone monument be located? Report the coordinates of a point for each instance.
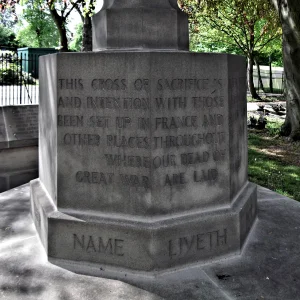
(143, 148)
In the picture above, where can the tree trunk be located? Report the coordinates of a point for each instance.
(251, 63)
(61, 26)
(87, 38)
(250, 78)
(259, 75)
(290, 19)
(63, 39)
(270, 74)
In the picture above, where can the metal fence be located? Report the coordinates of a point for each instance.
(19, 83)
(272, 82)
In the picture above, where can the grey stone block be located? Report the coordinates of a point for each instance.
(4, 186)
(142, 166)
(150, 245)
(21, 125)
(22, 177)
(18, 159)
(48, 124)
(163, 155)
(140, 25)
(18, 166)
(3, 133)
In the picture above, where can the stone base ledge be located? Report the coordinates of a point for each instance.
(135, 246)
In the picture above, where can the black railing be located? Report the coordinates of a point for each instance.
(18, 79)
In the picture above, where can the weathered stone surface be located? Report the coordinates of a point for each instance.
(48, 125)
(138, 140)
(144, 132)
(3, 133)
(21, 125)
(18, 166)
(4, 184)
(18, 145)
(144, 159)
(145, 245)
(18, 159)
(140, 24)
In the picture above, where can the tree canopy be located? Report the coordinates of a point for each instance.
(241, 26)
(37, 28)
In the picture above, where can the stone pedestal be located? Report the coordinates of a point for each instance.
(143, 160)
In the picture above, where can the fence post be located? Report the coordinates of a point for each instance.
(21, 79)
(271, 75)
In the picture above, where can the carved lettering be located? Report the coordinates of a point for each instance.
(123, 122)
(69, 102)
(127, 142)
(109, 246)
(189, 140)
(94, 177)
(175, 179)
(73, 139)
(208, 102)
(99, 122)
(182, 84)
(135, 181)
(70, 84)
(103, 103)
(109, 84)
(69, 121)
(144, 123)
(194, 158)
(192, 244)
(171, 103)
(136, 103)
(176, 122)
(142, 84)
(117, 160)
(168, 160)
(213, 120)
(206, 175)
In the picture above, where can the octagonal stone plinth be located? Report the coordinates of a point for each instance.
(143, 160)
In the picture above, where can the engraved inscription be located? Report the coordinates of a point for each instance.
(208, 241)
(171, 116)
(68, 120)
(22, 121)
(94, 177)
(92, 244)
(70, 84)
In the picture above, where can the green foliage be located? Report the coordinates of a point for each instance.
(271, 171)
(7, 37)
(37, 28)
(76, 43)
(274, 128)
(10, 70)
(234, 26)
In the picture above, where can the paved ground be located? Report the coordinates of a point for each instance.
(269, 267)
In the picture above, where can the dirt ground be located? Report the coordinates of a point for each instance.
(276, 146)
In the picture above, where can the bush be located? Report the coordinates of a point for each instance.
(274, 127)
(10, 70)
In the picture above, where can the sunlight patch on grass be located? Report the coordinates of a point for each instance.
(270, 170)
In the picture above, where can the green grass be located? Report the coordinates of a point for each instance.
(271, 171)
